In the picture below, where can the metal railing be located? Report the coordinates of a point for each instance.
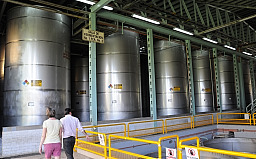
(202, 120)
(118, 153)
(251, 108)
(178, 123)
(164, 138)
(223, 120)
(109, 129)
(93, 146)
(139, 128)
(225, 152)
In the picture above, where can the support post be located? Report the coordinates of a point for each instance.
(217, 76)
(190, 78)
(92, 73)
(151, 70)
(252, 80)
(236, 76)
(242, 92)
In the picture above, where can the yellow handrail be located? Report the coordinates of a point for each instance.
(129, 138)
(202, 121)
(183, 146)
(108, 125)
(163, 138)
(166, 125)
(93, 144)
(147, 121)
(253, 116)
(221, 120)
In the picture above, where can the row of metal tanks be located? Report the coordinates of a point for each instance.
(36, 73)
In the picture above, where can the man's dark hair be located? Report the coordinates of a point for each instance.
(67, 111)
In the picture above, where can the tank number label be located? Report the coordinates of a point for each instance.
(36, 83)
(118, 86)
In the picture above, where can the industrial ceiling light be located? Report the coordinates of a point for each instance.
(246, 53)
(212, 41)
(232, 48)
(92, 3)
(145, 19)
(182, 31)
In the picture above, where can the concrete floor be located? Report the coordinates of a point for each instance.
(38, 156)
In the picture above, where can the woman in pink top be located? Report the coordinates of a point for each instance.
(51, 136)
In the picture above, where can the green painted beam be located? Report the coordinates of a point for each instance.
(96, 7)
(217, 78)
(166, 31)
(237, 86)
(242, 92)
(151, 71)
(92, 74)
(190, 78)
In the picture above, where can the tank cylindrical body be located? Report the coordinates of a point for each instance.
(118, 81)
(80, 87)
(202, 81)
(37, 68)
(227, 84)
(171, 78)
(2, 58)
(247, 82)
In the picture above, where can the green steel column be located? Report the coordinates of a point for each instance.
(92, 73)
(217, 76)
(190, 78)
(241, 81)
(151, 70)
(236, 75)
(252, 78)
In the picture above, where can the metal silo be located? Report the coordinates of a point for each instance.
(37, 69)
(2, 58)
(202, 81)
(80, 87)
(118, 81)
(247, 82)
(171, 78)
(227, 84)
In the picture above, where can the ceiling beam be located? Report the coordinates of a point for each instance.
(228, 5)
(96, 7)
(162, 30)
(227, 24)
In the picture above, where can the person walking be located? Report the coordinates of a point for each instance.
(69, 126)
(51, 136)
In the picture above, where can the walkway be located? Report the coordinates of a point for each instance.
(38, 156)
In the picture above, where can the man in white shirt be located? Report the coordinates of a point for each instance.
(69, 125)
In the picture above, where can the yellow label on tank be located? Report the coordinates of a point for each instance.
(176, 88)
(207, 90)
(118, 86)
(82, 92)
(36, 83)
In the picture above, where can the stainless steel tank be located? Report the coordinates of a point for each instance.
(202, 81)
(37, 70)
(80, 87)
(247, 82)
(171, 78)
(118, 83)
(227, 84)
(2, 58)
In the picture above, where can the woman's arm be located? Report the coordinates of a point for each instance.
(42, 140)
(60, 134)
